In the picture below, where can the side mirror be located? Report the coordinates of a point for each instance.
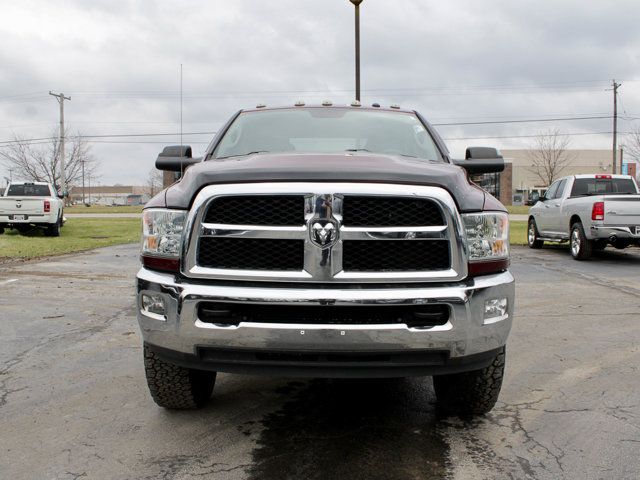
(175, 158)
(534, 198)
(481, 160)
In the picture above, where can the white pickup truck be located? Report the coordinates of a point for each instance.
(31, 204)
(589, 211)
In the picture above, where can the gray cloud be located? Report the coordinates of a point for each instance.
(120, 63)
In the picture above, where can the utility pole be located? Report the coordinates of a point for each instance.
(63, 177)
(615, 123)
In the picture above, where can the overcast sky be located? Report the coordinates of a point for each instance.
(456, 61)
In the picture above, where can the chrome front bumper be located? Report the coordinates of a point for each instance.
(466, 334)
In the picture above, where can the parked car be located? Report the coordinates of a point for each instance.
(26, 205)
(589, 211)
(326, 241)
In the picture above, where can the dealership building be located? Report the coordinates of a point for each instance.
(117, 195)
(517, 181)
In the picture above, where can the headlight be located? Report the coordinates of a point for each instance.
(162, 232)
(487, 236)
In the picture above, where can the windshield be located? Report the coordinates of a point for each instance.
(328, 130)
(602, 186)
(28, 190)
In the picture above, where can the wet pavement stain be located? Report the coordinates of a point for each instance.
(355, 429)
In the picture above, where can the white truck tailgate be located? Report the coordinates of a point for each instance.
(21, 206)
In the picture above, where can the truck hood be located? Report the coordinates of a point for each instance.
(312, 167)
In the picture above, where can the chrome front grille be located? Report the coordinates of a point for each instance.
(324, 232)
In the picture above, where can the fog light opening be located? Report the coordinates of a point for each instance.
(495, 310)
(153, 305)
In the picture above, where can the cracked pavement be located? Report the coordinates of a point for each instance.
(74, 402)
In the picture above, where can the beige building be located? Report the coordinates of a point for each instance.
(110, 195)
(523, 180)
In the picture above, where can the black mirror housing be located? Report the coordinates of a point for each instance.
(481, 153)
(481, 160)
(176, 158)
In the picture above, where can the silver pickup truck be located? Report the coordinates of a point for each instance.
(589, 211)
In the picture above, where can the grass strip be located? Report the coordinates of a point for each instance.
(93, 209)
(77, 235)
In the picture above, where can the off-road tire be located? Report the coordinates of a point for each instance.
(581, 247)
(532, 235)
(175, 387)
(470, 393)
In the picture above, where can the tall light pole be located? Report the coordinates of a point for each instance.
(357, 5)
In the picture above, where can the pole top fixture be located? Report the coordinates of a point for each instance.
(356, 2)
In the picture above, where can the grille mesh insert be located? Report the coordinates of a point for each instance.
(395, 255)
(251, 254)
(280, 210)
(373, 211)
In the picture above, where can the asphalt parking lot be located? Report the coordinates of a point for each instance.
(74, 403)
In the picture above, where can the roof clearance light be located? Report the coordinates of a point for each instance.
(261, 105)
(376, 105)
(603, 176)
(395, 106)
(299, 103)
(327, 103)
(355, 103)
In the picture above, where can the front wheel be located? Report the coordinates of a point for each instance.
(471, 393)
(581, 246)
(532, 235)
(175, 387)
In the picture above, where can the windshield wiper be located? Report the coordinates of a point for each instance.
(243, 154)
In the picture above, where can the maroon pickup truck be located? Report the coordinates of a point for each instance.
(326, 241)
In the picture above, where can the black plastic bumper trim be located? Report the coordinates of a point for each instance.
(327, 364)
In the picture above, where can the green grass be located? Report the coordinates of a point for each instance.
(103, 209)
(77, 235)
(518, 233)
(518, 209)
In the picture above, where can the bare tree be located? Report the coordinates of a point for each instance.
(549, 156)
(154, 182)
(37, 162)
(632, 145)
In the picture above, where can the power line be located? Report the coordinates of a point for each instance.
(570, 134)
(492, 122)
(165, 134)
